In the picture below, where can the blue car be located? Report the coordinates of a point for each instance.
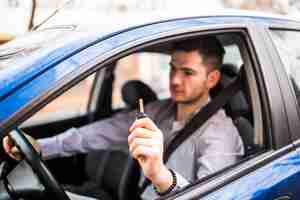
(60, 77)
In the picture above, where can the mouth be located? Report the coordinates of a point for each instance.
(177, 92)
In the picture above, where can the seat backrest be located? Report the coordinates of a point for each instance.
(133, 90)
(238, 107)
(106, 168)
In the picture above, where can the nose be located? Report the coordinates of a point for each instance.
(176, 78)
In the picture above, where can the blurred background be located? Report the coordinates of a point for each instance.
(18, 16)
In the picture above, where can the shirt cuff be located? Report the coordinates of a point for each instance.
(50, 147)
(179, 183)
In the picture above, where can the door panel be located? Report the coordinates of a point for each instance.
(279, 178)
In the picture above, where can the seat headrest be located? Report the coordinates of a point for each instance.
(133, 90)
(238, 104)
(230, 70)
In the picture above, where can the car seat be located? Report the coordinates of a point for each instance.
(132, 90)
(238, 108)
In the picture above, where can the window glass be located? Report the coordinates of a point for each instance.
(151, 68)
(287, 43)
(73, 103)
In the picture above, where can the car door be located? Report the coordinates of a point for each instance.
(273, 173)
(284, 42)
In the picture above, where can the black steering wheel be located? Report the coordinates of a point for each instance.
(37, 165)
(129, 181)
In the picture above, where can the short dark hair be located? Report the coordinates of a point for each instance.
(208, 46)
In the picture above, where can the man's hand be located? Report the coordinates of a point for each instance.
(146, 145)
(13, 151)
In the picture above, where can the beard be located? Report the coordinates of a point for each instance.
(189, 100)
(189, 97)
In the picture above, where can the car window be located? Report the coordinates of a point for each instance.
(73, 103)
(153, 70)
(244, 108)
(287, 43)
(150, 68)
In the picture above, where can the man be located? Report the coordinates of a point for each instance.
(194, 72)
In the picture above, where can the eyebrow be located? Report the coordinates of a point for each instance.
(181, 68)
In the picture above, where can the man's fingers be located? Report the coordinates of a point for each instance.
(6, 144)
(140, 133)
(14, 150)
(143, 123)
(141, 142)
(10, 149)
(143, 152)
(15, 153)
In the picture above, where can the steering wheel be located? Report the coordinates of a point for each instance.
(37, 165)
(129, 181)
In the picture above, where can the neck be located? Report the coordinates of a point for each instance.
(184, 110)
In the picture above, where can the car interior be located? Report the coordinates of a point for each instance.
(99, 168)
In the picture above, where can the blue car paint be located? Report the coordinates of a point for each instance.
(273, 180)
(27, 68)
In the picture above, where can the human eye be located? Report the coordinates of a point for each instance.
(188, 72)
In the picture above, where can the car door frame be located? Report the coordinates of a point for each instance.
(291, 104)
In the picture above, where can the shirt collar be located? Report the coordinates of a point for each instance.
(196, 111)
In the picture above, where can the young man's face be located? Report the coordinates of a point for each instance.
(189, 78)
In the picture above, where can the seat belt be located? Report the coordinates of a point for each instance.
(198, 120)
(201, 117)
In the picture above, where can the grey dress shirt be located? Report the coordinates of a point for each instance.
(213, 146)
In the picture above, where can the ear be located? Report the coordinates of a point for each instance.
(213, 78)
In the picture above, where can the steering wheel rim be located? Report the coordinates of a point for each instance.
(37, 165)
(130, 178)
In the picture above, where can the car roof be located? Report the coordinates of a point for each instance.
(119, 21)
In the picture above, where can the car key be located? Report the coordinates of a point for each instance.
(140, 111)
